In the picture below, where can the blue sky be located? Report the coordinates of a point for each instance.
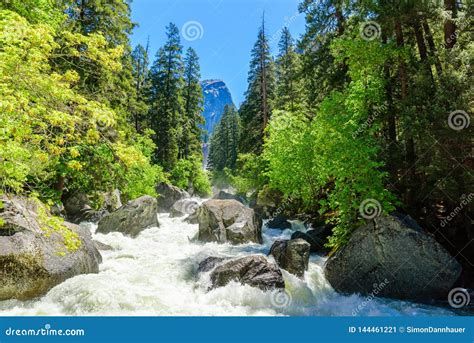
(221, 31)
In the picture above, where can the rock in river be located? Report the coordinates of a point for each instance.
(168, 195)
(38, 251)
(292, 255)
(132, 218)
(228, 221)
(410, 264)
(317, 237)
(254, 270)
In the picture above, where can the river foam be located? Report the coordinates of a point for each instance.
(155, 274)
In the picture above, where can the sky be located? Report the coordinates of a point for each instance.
(222, 32)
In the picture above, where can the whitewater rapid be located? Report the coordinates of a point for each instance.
(155, 274)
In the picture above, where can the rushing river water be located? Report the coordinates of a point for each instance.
(155, 274)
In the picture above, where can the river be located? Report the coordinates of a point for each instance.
(155, 274)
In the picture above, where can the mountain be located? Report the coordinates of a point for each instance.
(216, 96)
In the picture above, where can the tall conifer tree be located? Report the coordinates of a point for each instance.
(166, 77)
(256, 110)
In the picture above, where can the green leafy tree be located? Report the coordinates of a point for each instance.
(54, 138)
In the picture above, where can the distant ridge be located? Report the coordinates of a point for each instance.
(216, 97)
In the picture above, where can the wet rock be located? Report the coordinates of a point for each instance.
(223, 195)
(317, 238)
(191, 219)
(76, 203)
(254, 270)
(228, 221)
(209, 263)
(279, 222)
(292, 255)
(78, 209)
(415, 266)
(132, 218)
(168, 195)
(102, 246)
(184, 207)
(37, 251)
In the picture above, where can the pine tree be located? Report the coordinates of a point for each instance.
(224, 141)
(110, 17)
(288, 90)
(325, 20)
(256, 110)
(191, 121)
(166, 77)
(140, 71)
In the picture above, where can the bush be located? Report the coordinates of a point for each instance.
(189, 174)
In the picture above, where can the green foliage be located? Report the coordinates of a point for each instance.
(191, 119)
(250, 174)
(288, 88)
(166, 101)
(189, 174)
(36, 11)
(255, 111)
(52, 224)
(52, 135)
(321, 161)
(224, 141)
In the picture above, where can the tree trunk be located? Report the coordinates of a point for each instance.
(59, 186)
(402, 69)
(410, 155)
(420, 42)
(450, 34)
(431, 44)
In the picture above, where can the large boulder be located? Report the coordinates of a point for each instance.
(254, 270)
(132, 218)
(410, 264)
(228, 221)
(317, 237)
(168, 195)
(292, 255)
(38, 251)
(209, 263)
